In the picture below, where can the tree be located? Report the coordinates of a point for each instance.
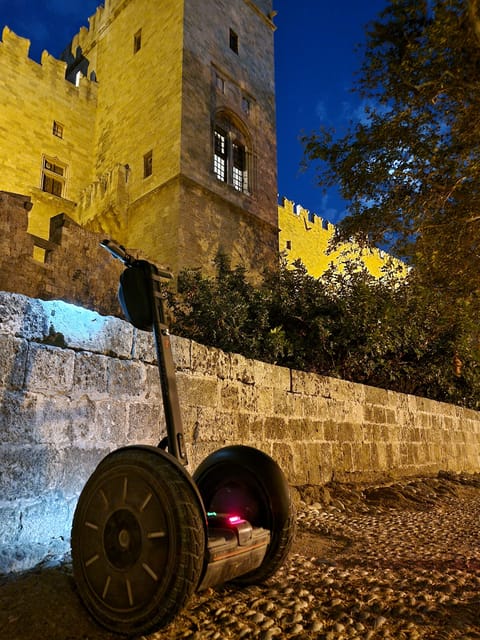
(411, 169)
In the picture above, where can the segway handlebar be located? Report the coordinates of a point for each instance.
(119, 252)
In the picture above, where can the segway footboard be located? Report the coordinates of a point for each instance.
(235, 548)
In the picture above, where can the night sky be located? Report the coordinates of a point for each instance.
(315, 66)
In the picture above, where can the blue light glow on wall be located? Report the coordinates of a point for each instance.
(80, 327)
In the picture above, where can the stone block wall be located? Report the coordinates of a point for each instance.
(34, 96)
(71, 266)
(75, 385)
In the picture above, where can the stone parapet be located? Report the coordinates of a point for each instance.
(69, 265)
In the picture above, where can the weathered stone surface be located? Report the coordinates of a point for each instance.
(22, 316)
(75, 466)
(146, 423)
(19, 414)
(111, 423)
(49, 369)
(79, 328)
(198, 391)
(27, 470)
(90, 374)
(13, 356)
(126, 378)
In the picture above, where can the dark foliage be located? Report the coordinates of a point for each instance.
(389, 333)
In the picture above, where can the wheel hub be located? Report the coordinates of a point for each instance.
(122, 539)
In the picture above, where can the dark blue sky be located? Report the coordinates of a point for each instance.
(315, 63)
(315, 66)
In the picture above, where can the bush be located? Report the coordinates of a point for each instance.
(387, 332)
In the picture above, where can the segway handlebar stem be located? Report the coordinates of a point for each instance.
(175, 437)
(117, 251)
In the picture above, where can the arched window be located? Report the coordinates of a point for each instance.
(231, 155)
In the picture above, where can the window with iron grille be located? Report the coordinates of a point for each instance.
(230, 159)
(220, 156)
(57, 129)
(239, 167)
(53, 177)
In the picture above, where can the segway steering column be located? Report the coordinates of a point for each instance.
(143, 303)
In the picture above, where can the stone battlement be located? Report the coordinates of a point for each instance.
(299, 211)
(14, 52)
(69, 265)
(304, 235)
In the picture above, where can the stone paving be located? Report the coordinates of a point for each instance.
(400, 561)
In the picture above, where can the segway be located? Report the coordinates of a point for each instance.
(146, 535)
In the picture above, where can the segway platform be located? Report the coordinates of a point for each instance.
(234, 548)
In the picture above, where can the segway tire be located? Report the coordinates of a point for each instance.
(138, 540)
(245, 481)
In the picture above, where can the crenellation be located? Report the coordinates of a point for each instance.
(17, 46)
(96, 19)
(287, 205)
(112, 103)
(307, 237)
(85, 40)
(52, 66)
(121, 134)
(73, 265)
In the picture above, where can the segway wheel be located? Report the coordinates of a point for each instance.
(244, 481)
(138, 540)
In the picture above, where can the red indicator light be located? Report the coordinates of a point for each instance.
(234, 519)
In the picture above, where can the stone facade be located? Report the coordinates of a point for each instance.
(127, 140)
(75, 385)
(158, 80)
(70, 265)
(34, 97)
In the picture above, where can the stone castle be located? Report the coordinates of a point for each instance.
(156, 128)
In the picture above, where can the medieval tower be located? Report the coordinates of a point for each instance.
(157, 128)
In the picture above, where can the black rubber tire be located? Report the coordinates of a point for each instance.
(138, 540)
(247, 482)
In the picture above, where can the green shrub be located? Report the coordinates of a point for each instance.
(388, 332)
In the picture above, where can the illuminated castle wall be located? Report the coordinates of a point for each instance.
(305, 236)
(37, 103)
(162, 137)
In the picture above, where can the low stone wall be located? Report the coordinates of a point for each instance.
(75, 385)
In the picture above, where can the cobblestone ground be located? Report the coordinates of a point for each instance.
(399, 561)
